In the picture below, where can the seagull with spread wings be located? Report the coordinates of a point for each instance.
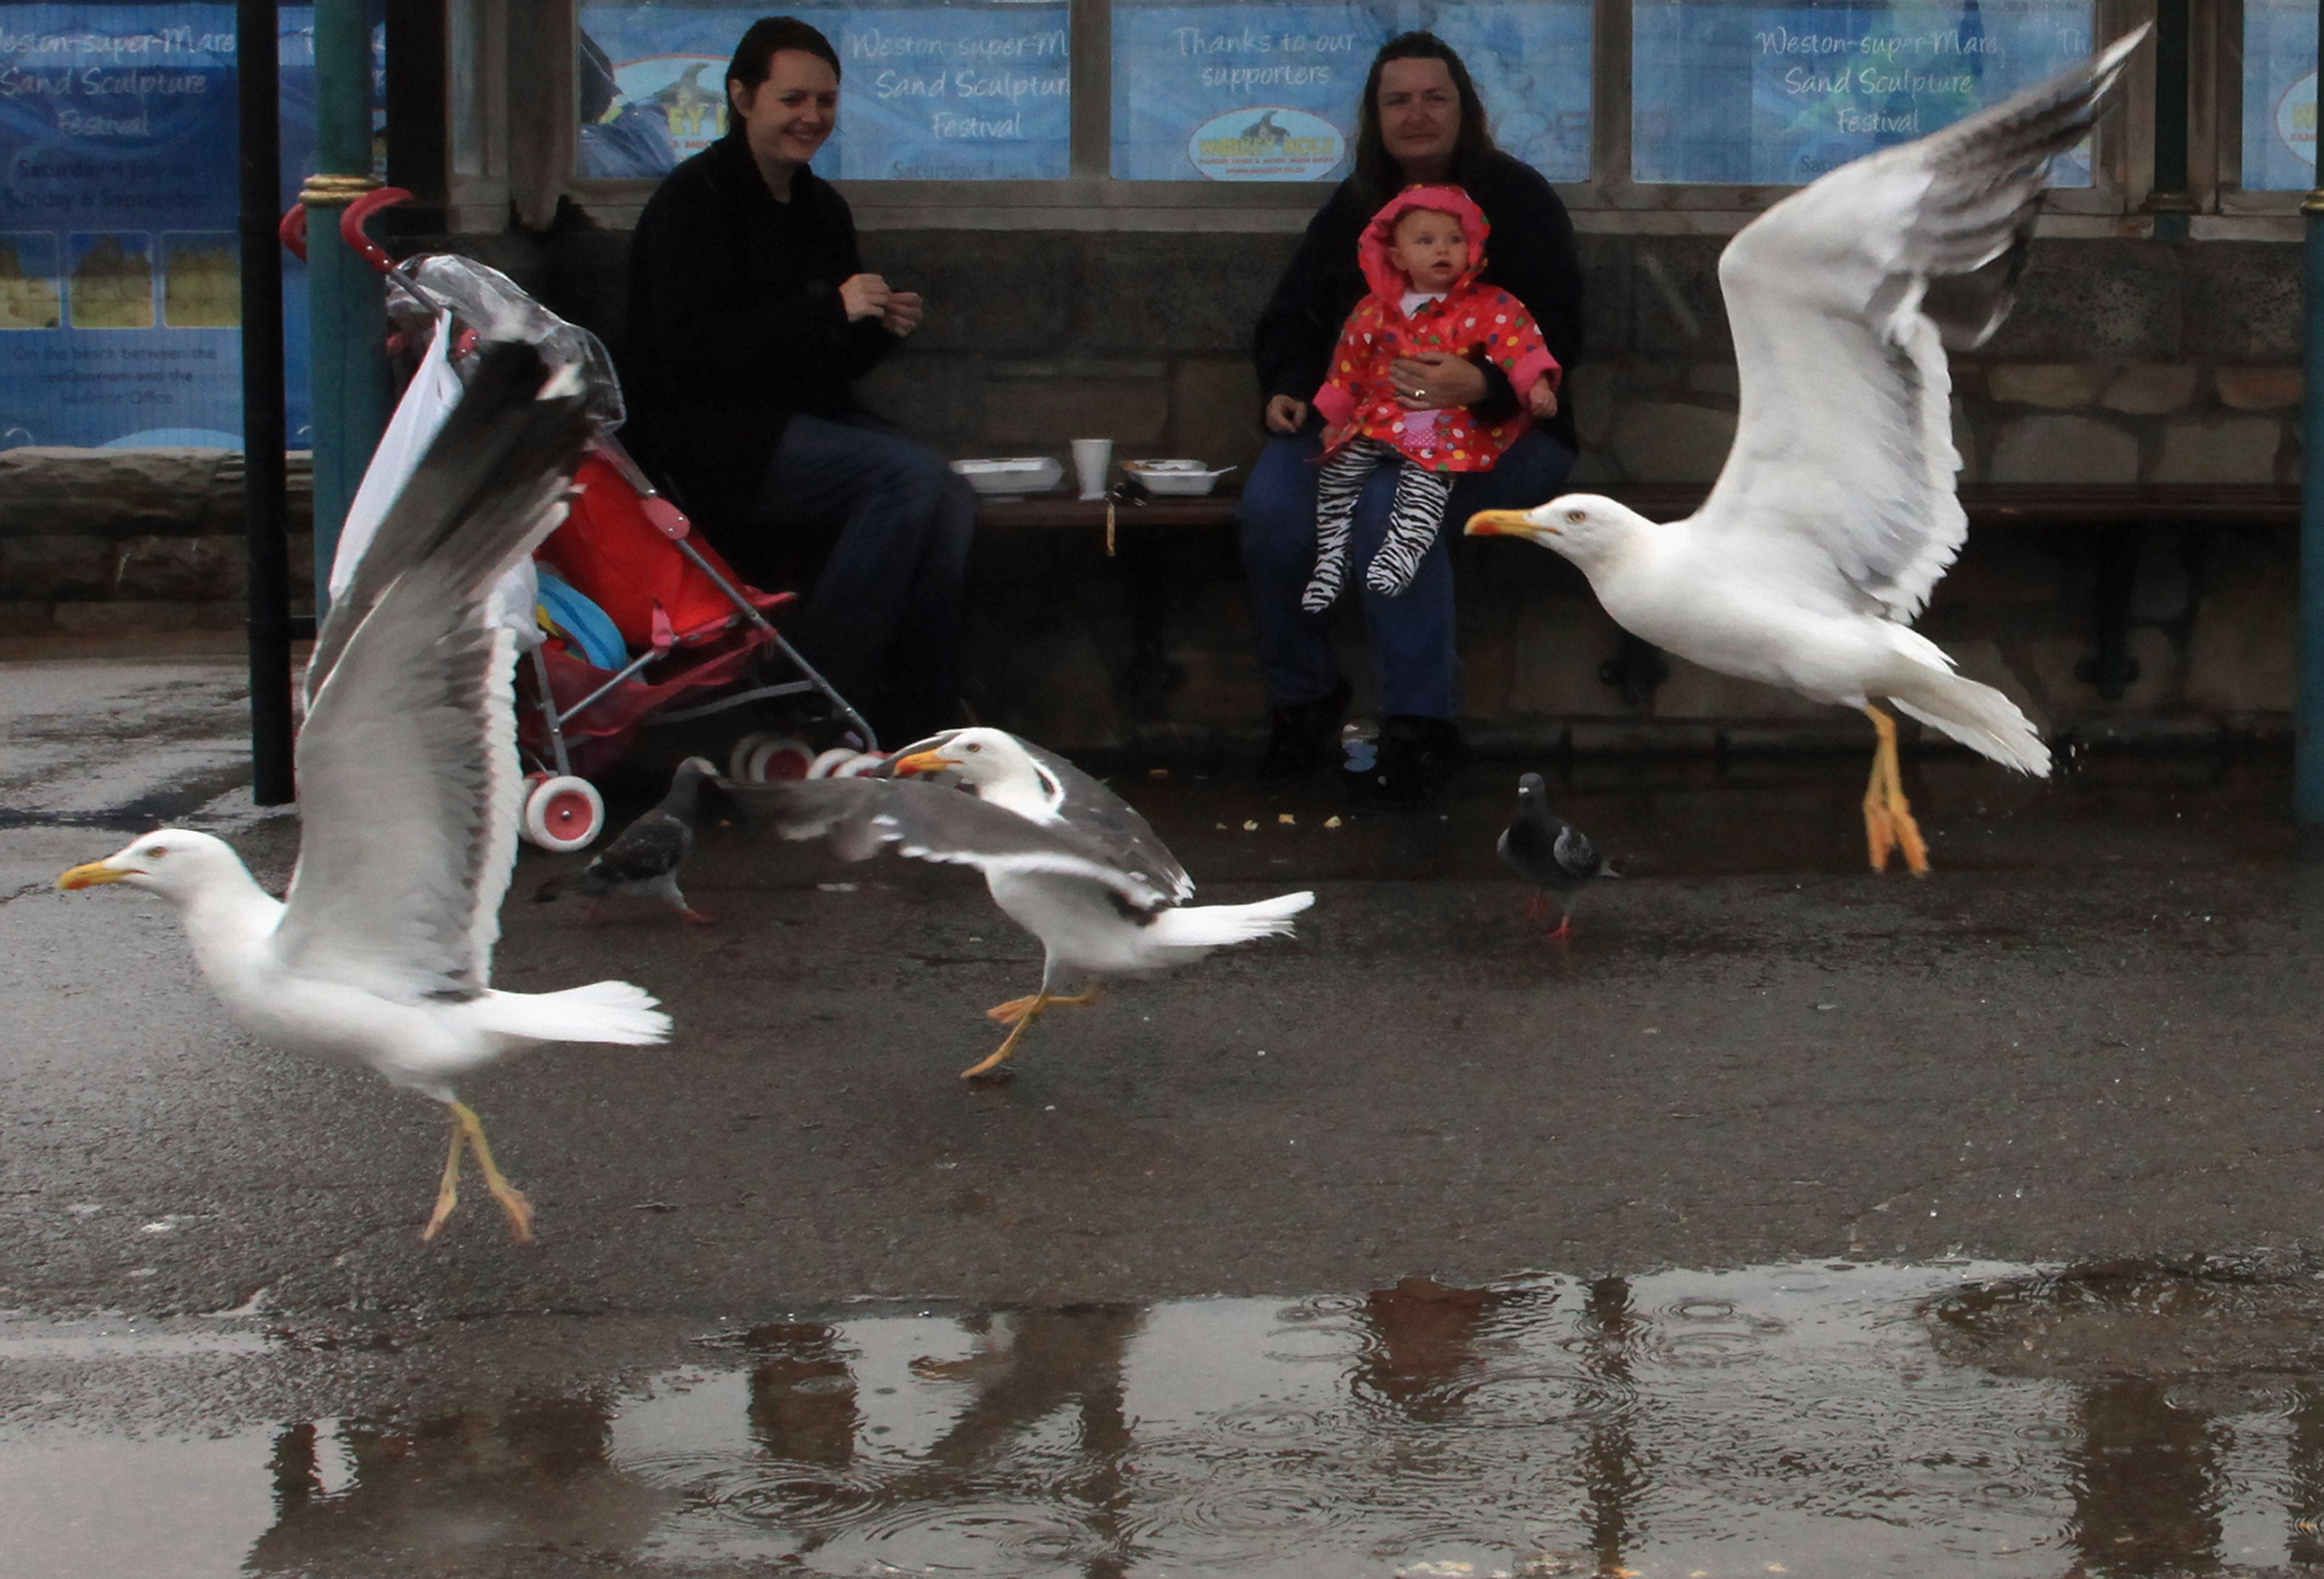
(1835, 514)
(1065, 857)
(409, 795)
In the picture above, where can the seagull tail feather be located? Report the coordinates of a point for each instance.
(602, 1011)
(1978, 717)
(1207, 926)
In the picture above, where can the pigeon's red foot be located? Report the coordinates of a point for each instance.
(1563, 933)
(1537, 907)
(696, 917)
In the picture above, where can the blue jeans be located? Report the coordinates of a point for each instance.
(883, 622)
(1412, 635)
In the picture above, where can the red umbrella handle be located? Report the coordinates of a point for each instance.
(352, 220)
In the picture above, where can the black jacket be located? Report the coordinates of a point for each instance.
(735, 323)
(1530, 254)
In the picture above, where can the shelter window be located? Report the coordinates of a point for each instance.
(2279, 121)
(1739, 92)
(1269, 92)
(945, 90)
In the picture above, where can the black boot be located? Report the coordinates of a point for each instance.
(1415, 758)
(1305, 736)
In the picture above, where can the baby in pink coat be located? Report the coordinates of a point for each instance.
(1422, 253)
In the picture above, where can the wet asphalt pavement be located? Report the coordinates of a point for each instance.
(2089, 1034)
(2088, 1038)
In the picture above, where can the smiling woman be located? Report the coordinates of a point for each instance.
(751, 316)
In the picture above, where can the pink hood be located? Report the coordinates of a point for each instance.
(1387, 280)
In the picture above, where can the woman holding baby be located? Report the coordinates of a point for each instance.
(1421, 123)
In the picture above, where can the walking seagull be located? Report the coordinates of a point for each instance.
(409, 794)
(1064, 857)
(642, 862)
(1549, 852)
(1835, 513)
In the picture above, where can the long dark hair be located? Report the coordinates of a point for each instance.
(1378, 177)
(754, 56)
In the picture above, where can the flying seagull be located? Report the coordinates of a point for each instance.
(409, 795)
(643, 861)
(1549, 852)
(1835, 513)
(1064, 857)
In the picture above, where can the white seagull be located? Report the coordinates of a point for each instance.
(409, 795)
(1064, 857)
(1835, 513)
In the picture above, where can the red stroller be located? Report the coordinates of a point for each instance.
(696, 630)
(651, 615)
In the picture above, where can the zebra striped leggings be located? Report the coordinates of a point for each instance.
(1413, 516)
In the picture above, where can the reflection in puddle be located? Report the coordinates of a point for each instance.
(1834, 1419)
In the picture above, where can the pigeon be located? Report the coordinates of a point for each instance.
(410, 794)
(1546, 850)
(1835, 514)
(642, 862)
(1065, 857)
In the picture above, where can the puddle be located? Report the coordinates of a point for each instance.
(1832, 1419)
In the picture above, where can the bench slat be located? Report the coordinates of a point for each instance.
(2025, 503)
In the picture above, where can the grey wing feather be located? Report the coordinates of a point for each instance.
(1842, 298)
(408, 785)
(1128, 839)
(1575, 853)
(935, 822)
(654, 846)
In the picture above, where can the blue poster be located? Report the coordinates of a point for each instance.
(1778, 94)
(120, 255)
(1269, 92)
(2279, 95)
(957, 91)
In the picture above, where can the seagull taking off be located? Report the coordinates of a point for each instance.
(642, 862)
(1065, 858)
(409, 795)
(1835, 513)
(1546, 850)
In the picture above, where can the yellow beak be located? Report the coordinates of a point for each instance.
(924, 762)
(1502, 523)
(96, 874)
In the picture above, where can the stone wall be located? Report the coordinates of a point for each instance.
(2126, 361)
(1055, 655)
(99, 541)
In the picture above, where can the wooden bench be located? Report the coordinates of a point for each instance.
(2112, 510)
(1988, 503)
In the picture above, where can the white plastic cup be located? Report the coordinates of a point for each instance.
(1091, 456)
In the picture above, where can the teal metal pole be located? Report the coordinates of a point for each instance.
(2308, 749)
(347, 315)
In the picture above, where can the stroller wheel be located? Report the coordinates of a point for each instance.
(829, 764)
(563, 813)
(738, 760)
(779, 756)
(858, 763)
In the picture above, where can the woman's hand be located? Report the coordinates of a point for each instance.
(1541, 399)
(903, 314)
(864, 295)
(1285, 414)
(1435, 380)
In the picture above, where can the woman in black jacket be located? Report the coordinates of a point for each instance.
(1421, 121)
(750, 315)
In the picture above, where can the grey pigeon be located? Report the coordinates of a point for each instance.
(642, 862)
(1546, 850)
